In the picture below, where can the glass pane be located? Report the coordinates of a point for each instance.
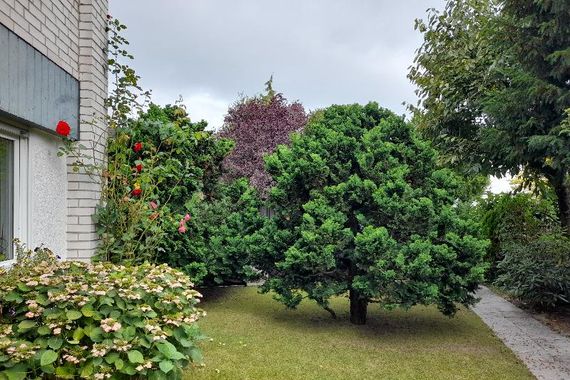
(6, 198)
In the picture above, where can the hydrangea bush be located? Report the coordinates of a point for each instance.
(66, 319)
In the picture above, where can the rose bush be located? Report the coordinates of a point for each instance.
(155, 165)
(66, 319)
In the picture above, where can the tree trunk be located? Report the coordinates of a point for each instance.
(562, 190)
(358, 308)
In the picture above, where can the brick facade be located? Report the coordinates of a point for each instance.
(72, 33)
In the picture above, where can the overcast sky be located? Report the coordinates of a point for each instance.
(320, 52)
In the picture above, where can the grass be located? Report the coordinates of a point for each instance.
(255, 337)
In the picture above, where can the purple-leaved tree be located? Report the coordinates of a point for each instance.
(257, 125)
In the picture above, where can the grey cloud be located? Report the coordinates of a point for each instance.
(320, 52)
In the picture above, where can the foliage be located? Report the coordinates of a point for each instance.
(156, 163)
(215, 249)
(157, 160)
(537, 272)
(360, 206)
(492, 77)
(69, 319)
(514, 218)
(162, 177)
(258, 125)
(127, 97)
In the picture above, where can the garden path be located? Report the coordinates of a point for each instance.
(545, 352)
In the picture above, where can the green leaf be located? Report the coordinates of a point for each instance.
(12, 296)
(196, 355)
(119, 364)
(168, 350)
(88, 310)
(106, 301)
(55, 342)
(111, 357)
(121, 304)
(78, 334)
(48, 357)
(157, 375)
(53, 313)
(129, 332)
(42, 299)
(66, 372)
(135, 356)
(44, 330)
(17, 372)
(87, 370)
(48, 369)
(129, 369)
(166, 366)
(73, 314)
(185, 342)
(25, 325)
(96, 334)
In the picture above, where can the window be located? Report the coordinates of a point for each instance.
(6, 198)
(13, 189)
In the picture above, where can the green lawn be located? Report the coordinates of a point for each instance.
(254, 337)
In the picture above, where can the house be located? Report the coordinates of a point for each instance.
(52, 68)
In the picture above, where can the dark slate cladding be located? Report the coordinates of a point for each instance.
(33, 89)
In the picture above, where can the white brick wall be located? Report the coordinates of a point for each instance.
(72, 33)
(50, 26)
(84, 191)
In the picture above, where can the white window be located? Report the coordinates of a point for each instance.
(13, 189)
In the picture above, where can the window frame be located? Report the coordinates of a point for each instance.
(20, 226)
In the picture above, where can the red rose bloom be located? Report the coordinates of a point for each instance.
(138, 147)
(139, 168)
(63, 129)
(136, 192)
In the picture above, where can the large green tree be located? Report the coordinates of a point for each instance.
(493, 79)
(360, 207)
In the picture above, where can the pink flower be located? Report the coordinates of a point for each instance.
(187, 217)
(182, 229)
(153, 205)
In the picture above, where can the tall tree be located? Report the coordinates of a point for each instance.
(257, 125)
(493, 79)
(361, 207)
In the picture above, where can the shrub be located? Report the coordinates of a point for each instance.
(538, 272)
(161, 176)
(69, 319)
(514, 218)
(360, 207)
(155, 165)
(258, 125)
(215, 250)
(157, 160)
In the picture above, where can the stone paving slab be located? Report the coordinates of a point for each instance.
(545, 352)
